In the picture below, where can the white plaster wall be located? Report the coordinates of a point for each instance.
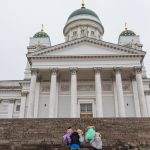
(108, 106)
(27, 73)
(85, 49)
(123, 40)
(64, 104)
(43, 106)
(129, 106)
(148, 104)
(86, 63)
(26, 106)
(4, 114)
(40, 41)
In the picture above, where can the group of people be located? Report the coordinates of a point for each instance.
(75, 138)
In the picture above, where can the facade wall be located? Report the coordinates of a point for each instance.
(10, 104)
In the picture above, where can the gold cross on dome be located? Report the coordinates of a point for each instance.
(82, 3)
(42, 29)
(126, 28)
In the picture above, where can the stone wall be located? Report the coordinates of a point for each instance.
(44, 134)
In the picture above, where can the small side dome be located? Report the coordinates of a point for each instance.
(41, 34)
(127, 33)
(40, 39)
(129, 39)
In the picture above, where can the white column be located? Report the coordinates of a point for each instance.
(141, 95)
(73, 93)
(56, 104)
(36, 102)
(23, 104)
(30, 112)
(98, 89)
(11, 108)
(136, 98)
(115, 99)
(120, 97)
(147, 97)
(52, 101)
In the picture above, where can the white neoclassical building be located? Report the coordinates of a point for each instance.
(83, 77)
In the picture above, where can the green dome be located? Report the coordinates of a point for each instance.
(82, 11)
(41, 35)
(127, 33)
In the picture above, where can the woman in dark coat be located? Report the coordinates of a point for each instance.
(75, 143)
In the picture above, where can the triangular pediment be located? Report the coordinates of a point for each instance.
(85, 47)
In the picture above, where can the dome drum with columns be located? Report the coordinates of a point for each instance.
(84, 77)
(83, 22)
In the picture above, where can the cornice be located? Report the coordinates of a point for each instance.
(10, 88)
(10, 91)
(88, 40)
(147, 92)
(146, 80)
(86, 57)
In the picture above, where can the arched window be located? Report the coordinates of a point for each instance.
(92, 33)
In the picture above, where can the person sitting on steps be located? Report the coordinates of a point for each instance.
(67, 138)
(81, 138)
(75, 142)
(90, 134)
(96, 143)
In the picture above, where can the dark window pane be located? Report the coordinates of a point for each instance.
(18, 108)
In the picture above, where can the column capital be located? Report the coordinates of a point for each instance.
(97, 69)
(34, 71)
(12, 101)
(147, 92)
(24, 93)
(132, 77)
(73, 70)
(138, 70)
(117, 69)
(54, 71)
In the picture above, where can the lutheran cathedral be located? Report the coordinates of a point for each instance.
(84, 77)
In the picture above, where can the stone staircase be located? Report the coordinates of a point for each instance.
(46, 134)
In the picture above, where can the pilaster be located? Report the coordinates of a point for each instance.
(11, 108)
(23, 104)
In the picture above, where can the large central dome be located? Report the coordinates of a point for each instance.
(83, 22)
(83, 11)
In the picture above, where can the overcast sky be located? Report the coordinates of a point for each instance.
(21, 19)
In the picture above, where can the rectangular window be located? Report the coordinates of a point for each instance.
(92, 33)
(74, 33)
(86, 108)
(17, 107)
